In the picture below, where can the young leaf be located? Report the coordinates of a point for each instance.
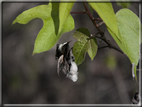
(79, 51)
(83, 45)
(93, 47)
(128, 24)
(106, 12)
(48, 35)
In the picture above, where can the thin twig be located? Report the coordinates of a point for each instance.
(77, 12)
(93, 36)
(100, 23)
(98, 19)
(88, 12)
(92, 18)
(109, 44)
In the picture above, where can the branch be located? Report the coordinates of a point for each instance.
(92, 36)
(93, 19)
(109, 44)
(77, 12)
(99, 30)
(98, 19)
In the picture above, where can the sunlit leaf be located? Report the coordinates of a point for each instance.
(64, 12)
(128, 24)
(123, 27)
(49, 34)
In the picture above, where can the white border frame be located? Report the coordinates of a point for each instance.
(69, 104)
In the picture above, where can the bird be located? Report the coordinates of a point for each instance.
(62, 49)
(66, 65)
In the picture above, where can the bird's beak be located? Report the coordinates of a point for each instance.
(69, 41)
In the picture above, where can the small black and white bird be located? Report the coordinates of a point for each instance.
(66, 65)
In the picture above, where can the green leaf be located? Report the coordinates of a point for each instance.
(93, 47)
(64, 12)
(49, 34)
(42, 12)
(83, 45)
(79, 51)
(128, 24)
(106, 12)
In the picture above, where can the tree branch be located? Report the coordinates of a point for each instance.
(99, 30)
(109, 44)
(93, 19)
(77, 12)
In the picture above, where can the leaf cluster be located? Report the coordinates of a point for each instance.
(123, 26)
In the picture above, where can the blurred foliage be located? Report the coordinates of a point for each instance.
(110, 61)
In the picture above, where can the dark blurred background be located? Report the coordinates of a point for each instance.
(28, 79)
